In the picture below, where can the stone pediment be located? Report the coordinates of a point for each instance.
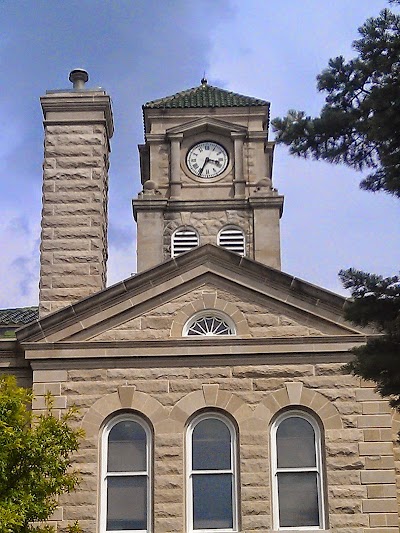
(271, 307)
(207, 124)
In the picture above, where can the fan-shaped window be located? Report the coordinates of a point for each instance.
(208, 324)
(183, 240)
(297, 472)
(125, 494)
(211, 471)
(232, 238)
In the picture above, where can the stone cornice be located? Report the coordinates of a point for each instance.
(206, 264)
(262, 202)
(78, 103)
(154, 203)
(155, 138)
(149, 203)
(261, 136)
(298, 348)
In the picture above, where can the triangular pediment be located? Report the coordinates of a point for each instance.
(152, 305)
(207, 124)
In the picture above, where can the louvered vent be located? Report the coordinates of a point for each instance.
(184, 240)
(232, 239)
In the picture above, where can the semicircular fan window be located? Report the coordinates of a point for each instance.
(209, 324)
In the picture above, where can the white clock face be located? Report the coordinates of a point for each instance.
(207, 159)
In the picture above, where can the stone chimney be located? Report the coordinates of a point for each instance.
(78, 125)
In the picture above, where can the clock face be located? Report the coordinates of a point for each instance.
(207, 159)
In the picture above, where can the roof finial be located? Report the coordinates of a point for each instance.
(203, 80)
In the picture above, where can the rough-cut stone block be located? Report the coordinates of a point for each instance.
(272, 371)
(350, 477)
(210, 373)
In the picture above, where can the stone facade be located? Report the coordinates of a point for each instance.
(125, 349)
(360, 472)
(125, 353)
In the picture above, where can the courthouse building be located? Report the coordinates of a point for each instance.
(209, 383)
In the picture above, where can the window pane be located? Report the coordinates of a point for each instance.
(211, 445)
(212, 501)
(298, 499)
(126, 503)
(127, 447)
(295, 443)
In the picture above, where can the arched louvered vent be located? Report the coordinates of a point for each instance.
(183, 240)
(232, 239)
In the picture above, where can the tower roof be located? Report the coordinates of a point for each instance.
(18, 316)
(204, 96)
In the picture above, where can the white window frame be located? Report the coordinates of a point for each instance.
(174, 252)
(105, 474)
(189, 471)
(318, 469)
(227, 247)
(212, 313)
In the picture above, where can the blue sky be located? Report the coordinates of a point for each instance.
(139, 50)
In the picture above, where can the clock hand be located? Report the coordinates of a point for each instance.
(204, 164)
(215, 162)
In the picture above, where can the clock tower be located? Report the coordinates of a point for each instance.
(206, 171)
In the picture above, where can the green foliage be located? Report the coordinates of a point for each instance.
(359, 126)
(376, 302)
(35, 460)
(360, 123)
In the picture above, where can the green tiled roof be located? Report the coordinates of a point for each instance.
(19, 316)
(205, 96)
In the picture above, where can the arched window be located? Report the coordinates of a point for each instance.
(208, 324)
(211, 474)
(126, 463)
(232, 238)
(297, 472)
(183, 240)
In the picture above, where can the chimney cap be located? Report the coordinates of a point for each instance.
(78, 77)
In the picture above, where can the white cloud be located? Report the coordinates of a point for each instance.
(19, 264)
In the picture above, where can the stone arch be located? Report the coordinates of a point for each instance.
(210, 300)
(211, 396)
(294, 394)
(126, 398)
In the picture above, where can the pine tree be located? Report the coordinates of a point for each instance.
(360, 123)
(359, 126)
(376, 302)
